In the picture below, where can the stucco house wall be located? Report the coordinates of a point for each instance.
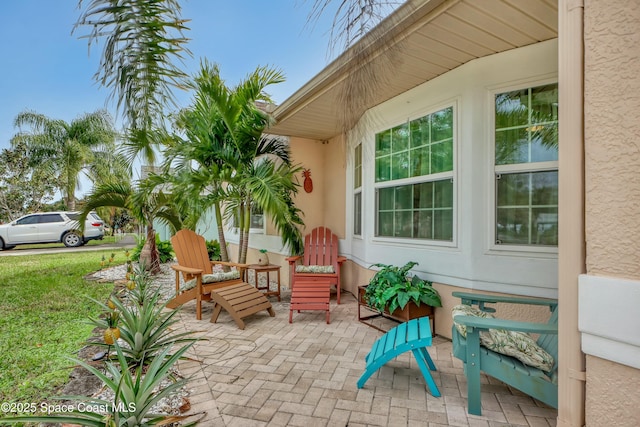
(324, 206)
(609, 292)
(612, 195)
(471, 261)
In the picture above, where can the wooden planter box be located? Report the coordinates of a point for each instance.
(410, 311)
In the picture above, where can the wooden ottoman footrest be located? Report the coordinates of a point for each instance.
(240, 300)
(310, 295)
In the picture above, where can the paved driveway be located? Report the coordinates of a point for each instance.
(127, 241)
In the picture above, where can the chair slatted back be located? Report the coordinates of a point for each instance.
(550, 341)
(191, 250)
(321, 248)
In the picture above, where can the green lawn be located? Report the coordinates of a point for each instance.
(43, 312)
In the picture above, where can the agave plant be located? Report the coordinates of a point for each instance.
(145, 326)
(147, 329)
(136, 391)
(139, 284)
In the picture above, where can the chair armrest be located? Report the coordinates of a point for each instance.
(341, 259)
(293, 259)
(188, 270)
(229, 264)
(510, 325)
(240, 267)
(482, 299)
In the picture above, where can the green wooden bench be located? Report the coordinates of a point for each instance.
(414, 335)
(532, 381)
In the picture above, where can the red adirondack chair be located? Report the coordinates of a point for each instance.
(320, 260)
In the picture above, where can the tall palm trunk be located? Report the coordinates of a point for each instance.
(70, 201)
(241, 219)
(149, 254)
(224, 255)
(244, 236)
(69, 194)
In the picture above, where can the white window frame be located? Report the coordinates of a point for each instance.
(233, 226)
(512, 249)
(453, 175)
(357, 190)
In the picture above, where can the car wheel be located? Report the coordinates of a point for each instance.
(72, 239)
(5, 247)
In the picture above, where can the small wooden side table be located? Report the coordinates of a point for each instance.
(257, 268)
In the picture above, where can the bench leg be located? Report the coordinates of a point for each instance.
(366, 374)
(473, 371)
(425, 363)
(216, 312)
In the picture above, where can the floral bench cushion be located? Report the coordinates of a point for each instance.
(220, 276)
(511, 343)
(327, 269)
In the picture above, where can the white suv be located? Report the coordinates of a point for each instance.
(50, 227)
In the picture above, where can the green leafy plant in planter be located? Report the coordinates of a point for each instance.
(392, 287)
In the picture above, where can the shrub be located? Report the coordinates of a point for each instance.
(165, 250)
(135, 389)
(213, 248)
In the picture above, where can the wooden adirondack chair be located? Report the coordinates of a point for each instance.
(530, 380)
(320, 260)
(197, 271)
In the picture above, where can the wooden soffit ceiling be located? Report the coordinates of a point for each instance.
(421, 40)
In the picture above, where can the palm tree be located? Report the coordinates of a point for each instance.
(145, 203)
(234, 164)
(85, 145)
(142, 41)
(263, 170)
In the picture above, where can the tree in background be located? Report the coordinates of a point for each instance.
(145, 202)
(22, 189)
(65, 150)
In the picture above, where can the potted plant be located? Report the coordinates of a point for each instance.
(392, 290)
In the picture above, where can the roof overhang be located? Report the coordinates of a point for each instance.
(421, 40)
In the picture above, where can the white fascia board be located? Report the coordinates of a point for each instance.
(608, 318)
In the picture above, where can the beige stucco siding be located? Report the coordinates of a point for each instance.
(612, 137)
(612, 195)
(334, 186)
(310, 154)
(324, 206)
(612, 394)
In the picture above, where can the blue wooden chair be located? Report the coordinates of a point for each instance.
(414, 335)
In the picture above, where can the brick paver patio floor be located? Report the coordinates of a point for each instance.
(304, 374)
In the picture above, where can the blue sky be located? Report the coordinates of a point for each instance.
(50, 71)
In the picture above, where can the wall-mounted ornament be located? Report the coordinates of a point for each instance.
(308, 184)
